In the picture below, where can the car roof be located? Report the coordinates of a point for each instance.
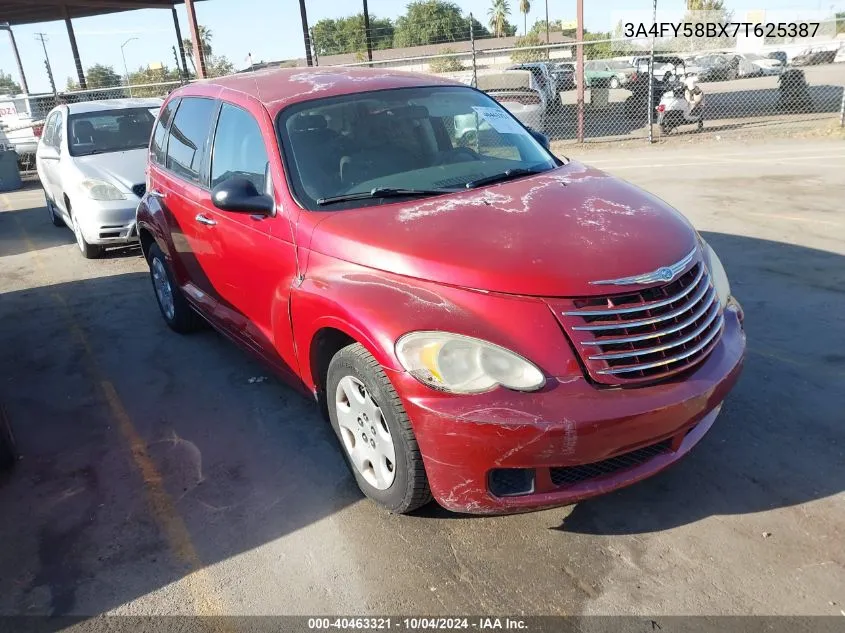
(112, 104)
(279, 87)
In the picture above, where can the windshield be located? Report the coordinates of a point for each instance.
(109, 131)
(437, 138)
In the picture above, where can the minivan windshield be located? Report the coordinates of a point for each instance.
(405, 141)
(109, 130)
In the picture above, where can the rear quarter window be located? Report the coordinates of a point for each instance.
(158, 144)
(186, 142)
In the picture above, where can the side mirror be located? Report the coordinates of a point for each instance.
(239, 195)
(541, 138)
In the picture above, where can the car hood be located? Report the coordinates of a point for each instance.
(124, 168)
(546, 235)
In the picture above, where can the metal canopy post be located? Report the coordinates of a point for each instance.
(184, 70)
(79, 73)
(8, 27)
(199, 55)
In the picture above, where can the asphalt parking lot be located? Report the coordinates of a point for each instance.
(159, 477)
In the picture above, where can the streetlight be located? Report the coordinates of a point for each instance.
(125, 68)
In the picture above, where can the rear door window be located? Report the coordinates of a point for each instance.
(238, 148)
(186, 144)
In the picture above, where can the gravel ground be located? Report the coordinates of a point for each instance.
(156, 478)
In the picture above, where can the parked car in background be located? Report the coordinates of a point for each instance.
(21, 130)
(815, 57)
(493, 326)
(90, 161)
(753, 65)
(717, 67)
(615, 73)
(564, 74)
(780, 56)
(516, 91)
(544, 79)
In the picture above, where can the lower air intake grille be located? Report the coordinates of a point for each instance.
(571, 475)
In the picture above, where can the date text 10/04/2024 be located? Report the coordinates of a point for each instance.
(418, 623)
(721, 29)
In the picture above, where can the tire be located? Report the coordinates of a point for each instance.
(665, 128)
(614, 82)
(55, 218)
(8, 452)
(403, 488)
(89, 251)
(700, 126)
(177, 313)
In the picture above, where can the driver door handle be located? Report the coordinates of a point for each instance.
(204, 219)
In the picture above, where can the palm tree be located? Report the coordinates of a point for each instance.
(498, 14)
(524, 8)
(205, 45)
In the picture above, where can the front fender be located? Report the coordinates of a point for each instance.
(375, 308)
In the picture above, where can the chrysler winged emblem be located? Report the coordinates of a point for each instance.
(663, 274)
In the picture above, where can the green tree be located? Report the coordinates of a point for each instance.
(143, 81)
(434, 22)
(705, 5)
(531, 53)
(347, 35)
(497, 16)
(205, 45)
(218, 66)
(599, 50)
(97, 76)
(8, 86)
(446, 64)
(524, 8)
(840, 22)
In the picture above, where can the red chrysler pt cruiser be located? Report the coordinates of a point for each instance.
(482, 322)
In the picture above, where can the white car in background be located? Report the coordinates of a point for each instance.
(517, 92)
(91, 160)
(753, 65)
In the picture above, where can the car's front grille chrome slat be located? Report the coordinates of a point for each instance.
(643, 307)
(647, 334)
(672, 359)
(661, 348)
(618, 325)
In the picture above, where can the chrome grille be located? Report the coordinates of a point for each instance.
(648, 334)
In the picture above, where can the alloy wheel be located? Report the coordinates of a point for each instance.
(164, 293)
(365, 434)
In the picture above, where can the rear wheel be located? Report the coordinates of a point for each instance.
(614, 82)
(175, 309)
(374, 431)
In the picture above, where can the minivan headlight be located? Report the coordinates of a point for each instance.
(462, 364)
(101, 190)
(717, 274)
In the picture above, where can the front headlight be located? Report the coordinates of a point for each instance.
(717, 274)
(101, 190)
(462, 364)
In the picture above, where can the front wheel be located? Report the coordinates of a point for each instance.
(374, 431)
(614, 82)
(89, 251)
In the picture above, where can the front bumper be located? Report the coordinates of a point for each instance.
(108, 222)
(465, 441)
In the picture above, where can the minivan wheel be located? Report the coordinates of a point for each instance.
(55, 218)
(175, 309)
(374, 431)
(89, 251)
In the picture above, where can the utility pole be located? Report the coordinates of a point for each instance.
(43, 38)
(305, 35)
(547, 21)
(579, 70)
(367, 33)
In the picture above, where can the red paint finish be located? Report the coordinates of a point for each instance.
(491, 263)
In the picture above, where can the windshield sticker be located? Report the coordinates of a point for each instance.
(499, 119)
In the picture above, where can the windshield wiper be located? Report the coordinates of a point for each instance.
(383, 192)
(508, 174)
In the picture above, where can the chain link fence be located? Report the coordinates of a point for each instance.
(628, 94)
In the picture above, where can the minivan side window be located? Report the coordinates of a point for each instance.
(188, 134)
(157, 144)
(238, 148)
